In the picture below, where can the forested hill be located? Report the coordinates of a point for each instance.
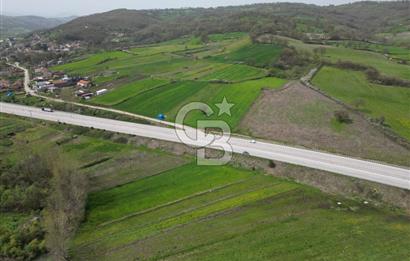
(360, 20)
(14, 25)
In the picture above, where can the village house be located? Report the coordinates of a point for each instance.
(84, 84)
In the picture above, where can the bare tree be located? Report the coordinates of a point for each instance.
(65, 208)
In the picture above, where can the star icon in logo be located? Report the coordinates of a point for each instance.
(224, 107)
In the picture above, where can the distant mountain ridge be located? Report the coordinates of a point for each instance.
(15, 25)
(360, 20)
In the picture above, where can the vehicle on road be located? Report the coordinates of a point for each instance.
(47, 109)
(252, 141)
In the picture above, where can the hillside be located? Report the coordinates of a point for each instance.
(14, 25)
(352, 21)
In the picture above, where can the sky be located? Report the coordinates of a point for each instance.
(60, 8)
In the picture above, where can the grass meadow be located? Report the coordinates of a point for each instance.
(388, 101)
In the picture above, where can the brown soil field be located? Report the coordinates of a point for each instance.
(300, 116)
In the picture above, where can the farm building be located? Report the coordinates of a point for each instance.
(101, 92)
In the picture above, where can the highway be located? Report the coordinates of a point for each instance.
(367, 170)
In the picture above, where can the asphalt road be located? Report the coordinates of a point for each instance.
(367, 170)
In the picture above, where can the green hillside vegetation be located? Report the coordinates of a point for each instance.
(173, 77)
(217, 213)
(357, 21)
(16, 25)
(166, 60)
(389, 102)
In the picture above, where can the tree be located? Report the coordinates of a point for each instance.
(65, 208)
(272, 164)
(204, 37)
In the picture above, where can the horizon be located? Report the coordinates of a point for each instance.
(87, 7)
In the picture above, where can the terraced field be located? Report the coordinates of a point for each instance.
(388, 101)
(217, 213)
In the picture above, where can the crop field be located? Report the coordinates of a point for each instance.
(234, 73)
(255, 54)
(127, 91)
(349, 86)
(242, 95)
(161, 100)
(169, 98)
(216, 213)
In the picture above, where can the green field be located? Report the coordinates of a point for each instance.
(387, 101)
(393, 51)
(255, 54)
(234, 73)
(376, 60)
(127, 91)
(169, 98)
(242, 95)
(223, 213)
(161, 100)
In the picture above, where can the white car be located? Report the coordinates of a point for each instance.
(253, 141)
(47, 109)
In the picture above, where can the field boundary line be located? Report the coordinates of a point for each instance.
(171, 203)
(185, 211)
(212, 214)
(134, 95)
(195, 248)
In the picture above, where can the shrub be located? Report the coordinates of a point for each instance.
(272, 164)
(343, 117)
(121, 140)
